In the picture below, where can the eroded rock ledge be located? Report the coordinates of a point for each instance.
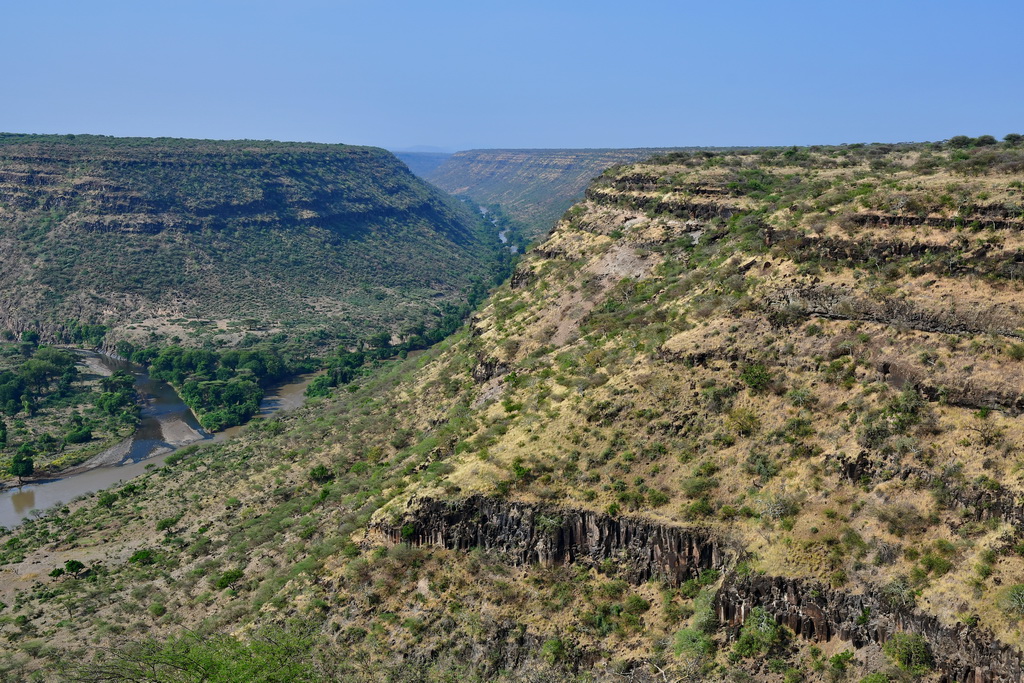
(534, 534)
(528, 533)
(813, 611)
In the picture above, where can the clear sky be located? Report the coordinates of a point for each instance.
(481, 73)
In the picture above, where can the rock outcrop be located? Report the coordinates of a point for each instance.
(816, 612)
(535, 534)
(527, 533)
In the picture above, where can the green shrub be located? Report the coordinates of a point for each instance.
(167, 523)
(73, 567)
(636, 605)
(841, 661)
(705, 619)
(693, 643)
(554, 650)
(909, 652)
(745, 421)
(320, 474)
(757, 377)
(1013, 600)
(876, 678)
(80, 435)
(228, 578)
(759, 635)
(143, 557)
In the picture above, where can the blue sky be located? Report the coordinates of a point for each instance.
(460, 75)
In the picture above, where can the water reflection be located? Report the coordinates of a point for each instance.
(24, 500)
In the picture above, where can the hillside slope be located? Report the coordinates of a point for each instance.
(533, 186)
(156, 237)
(744, 416)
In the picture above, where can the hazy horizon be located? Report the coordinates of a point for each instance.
(461, 75)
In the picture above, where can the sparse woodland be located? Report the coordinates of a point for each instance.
(743, 415)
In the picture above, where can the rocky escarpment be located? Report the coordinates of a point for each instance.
(679, 208)
(526, 533)
(534, 534)
(961, 653)
(138, 185)
(977, 503)
(837, 302)
(955, 258)
(505, 645)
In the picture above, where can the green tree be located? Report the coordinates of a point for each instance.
(1013, 139)
(757, 377)
(73, 567)
(320, 474)
(381, 340)
(228, 578)
(3, 433)
(22, 464)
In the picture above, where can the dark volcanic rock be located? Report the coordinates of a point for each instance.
(813, 611)
(528, 533)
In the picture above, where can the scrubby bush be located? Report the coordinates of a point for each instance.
(909, 652)
(690, 642)
(757, 377)
(554, 650)
(759, 635)
(1013, 600)
(228, 578)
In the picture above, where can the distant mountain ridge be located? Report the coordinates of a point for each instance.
(422, 163)
(138, 232)
(534, 186)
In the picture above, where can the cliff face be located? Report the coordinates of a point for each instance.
(961, 653)
(530, 534)
(131, 231)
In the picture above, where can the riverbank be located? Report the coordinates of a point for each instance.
(60, 406)
(166, 425)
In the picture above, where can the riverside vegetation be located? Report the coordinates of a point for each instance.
(744, 415)
(52, 414)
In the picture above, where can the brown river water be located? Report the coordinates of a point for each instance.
(166, 425)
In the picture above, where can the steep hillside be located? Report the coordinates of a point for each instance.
(158, 238)
(533, 186)
(744, 416)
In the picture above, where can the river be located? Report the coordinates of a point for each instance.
(502, 234)
(166, 424)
